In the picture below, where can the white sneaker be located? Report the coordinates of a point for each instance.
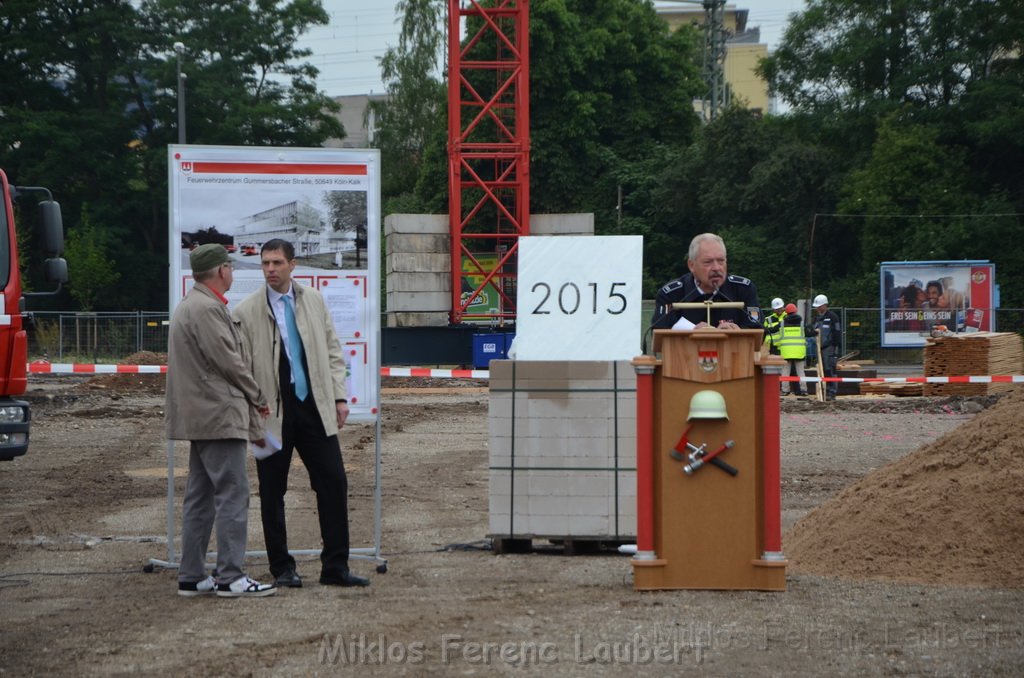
(245, 588)
(197, 588)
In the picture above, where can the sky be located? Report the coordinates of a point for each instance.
(347, 50)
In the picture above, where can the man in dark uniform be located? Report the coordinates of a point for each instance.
(830, 329)
(708, 279)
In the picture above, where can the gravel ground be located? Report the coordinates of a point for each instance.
(85, 511)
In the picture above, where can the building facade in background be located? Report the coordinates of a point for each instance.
(359, 128)
(743, 50)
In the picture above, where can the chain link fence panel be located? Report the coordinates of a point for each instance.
(66, 337)
(95, 337)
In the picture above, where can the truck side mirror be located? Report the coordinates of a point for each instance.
(55, 271)
(53, 230)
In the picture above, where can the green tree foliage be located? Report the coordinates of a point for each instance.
(854, 54)
(608, 85)
(611, 93)
(919, 104)
(924, 192)
(909, 174)
(94, 274)
(414, 111)
(898, 111)
(757, 183)
(88, 105)
(347, 214)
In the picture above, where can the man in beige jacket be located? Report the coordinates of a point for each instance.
(297, 361)
(213, 402)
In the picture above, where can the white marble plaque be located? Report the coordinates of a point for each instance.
(579, 297)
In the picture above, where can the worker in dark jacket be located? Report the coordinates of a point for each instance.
(828, 326)
(708, 279)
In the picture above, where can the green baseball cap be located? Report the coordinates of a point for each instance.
(208, 257)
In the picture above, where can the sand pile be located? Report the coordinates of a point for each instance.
(951, 512)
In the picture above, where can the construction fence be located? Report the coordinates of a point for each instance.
(69, 337)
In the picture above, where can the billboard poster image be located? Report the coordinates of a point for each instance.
(921, 299)
(325, 201)
(487, 303)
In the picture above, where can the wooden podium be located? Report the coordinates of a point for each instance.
(706, 528)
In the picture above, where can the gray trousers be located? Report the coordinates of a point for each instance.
(795, 368)
(217, 493)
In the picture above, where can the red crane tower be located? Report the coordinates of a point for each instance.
(488, 149)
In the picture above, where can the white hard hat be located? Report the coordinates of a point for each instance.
(820, 300)
(707, 405)
(777, 303)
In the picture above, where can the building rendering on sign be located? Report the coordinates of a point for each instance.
(298, 222)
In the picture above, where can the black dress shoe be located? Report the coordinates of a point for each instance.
(344, 578)
(290, 579)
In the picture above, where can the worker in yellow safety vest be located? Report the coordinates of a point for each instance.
(773, 326)
(793, 349)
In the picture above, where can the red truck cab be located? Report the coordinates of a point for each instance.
(14, 413)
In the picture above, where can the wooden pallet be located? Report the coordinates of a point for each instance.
(571, 546)
(893, 389)
(856, 371)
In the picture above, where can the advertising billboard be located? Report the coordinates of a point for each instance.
(487, 304)
(325, 201)
(922, 298)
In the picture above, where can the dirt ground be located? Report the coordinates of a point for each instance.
(85, 511)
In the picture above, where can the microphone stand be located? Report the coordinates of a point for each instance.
(709, 305)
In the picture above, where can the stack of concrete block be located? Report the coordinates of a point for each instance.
(418, 269)
(562, 451)
(562, 224)
(418, 265)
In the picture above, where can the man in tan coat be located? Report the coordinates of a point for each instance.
(297, 361)
(213, 402)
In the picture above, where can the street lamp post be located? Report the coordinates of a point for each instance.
(179, 48)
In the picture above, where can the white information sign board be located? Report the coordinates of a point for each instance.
(578, 297)
(325, 201)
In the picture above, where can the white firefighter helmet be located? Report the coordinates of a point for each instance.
(707, 405)
(819, 301)
(777, 304)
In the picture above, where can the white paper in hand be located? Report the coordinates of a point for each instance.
(683, 324)
(270, 445)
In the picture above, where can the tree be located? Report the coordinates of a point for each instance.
(920, 191)
(756, 182)
(88, 106)
(608, 83)
(919, 104)
(610, 88)
(87, 256)
(347, 214)
(414, 109)
(855, 55)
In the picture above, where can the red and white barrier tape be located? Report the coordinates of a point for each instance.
(997, 379)
(427, 372)
(77, 368)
